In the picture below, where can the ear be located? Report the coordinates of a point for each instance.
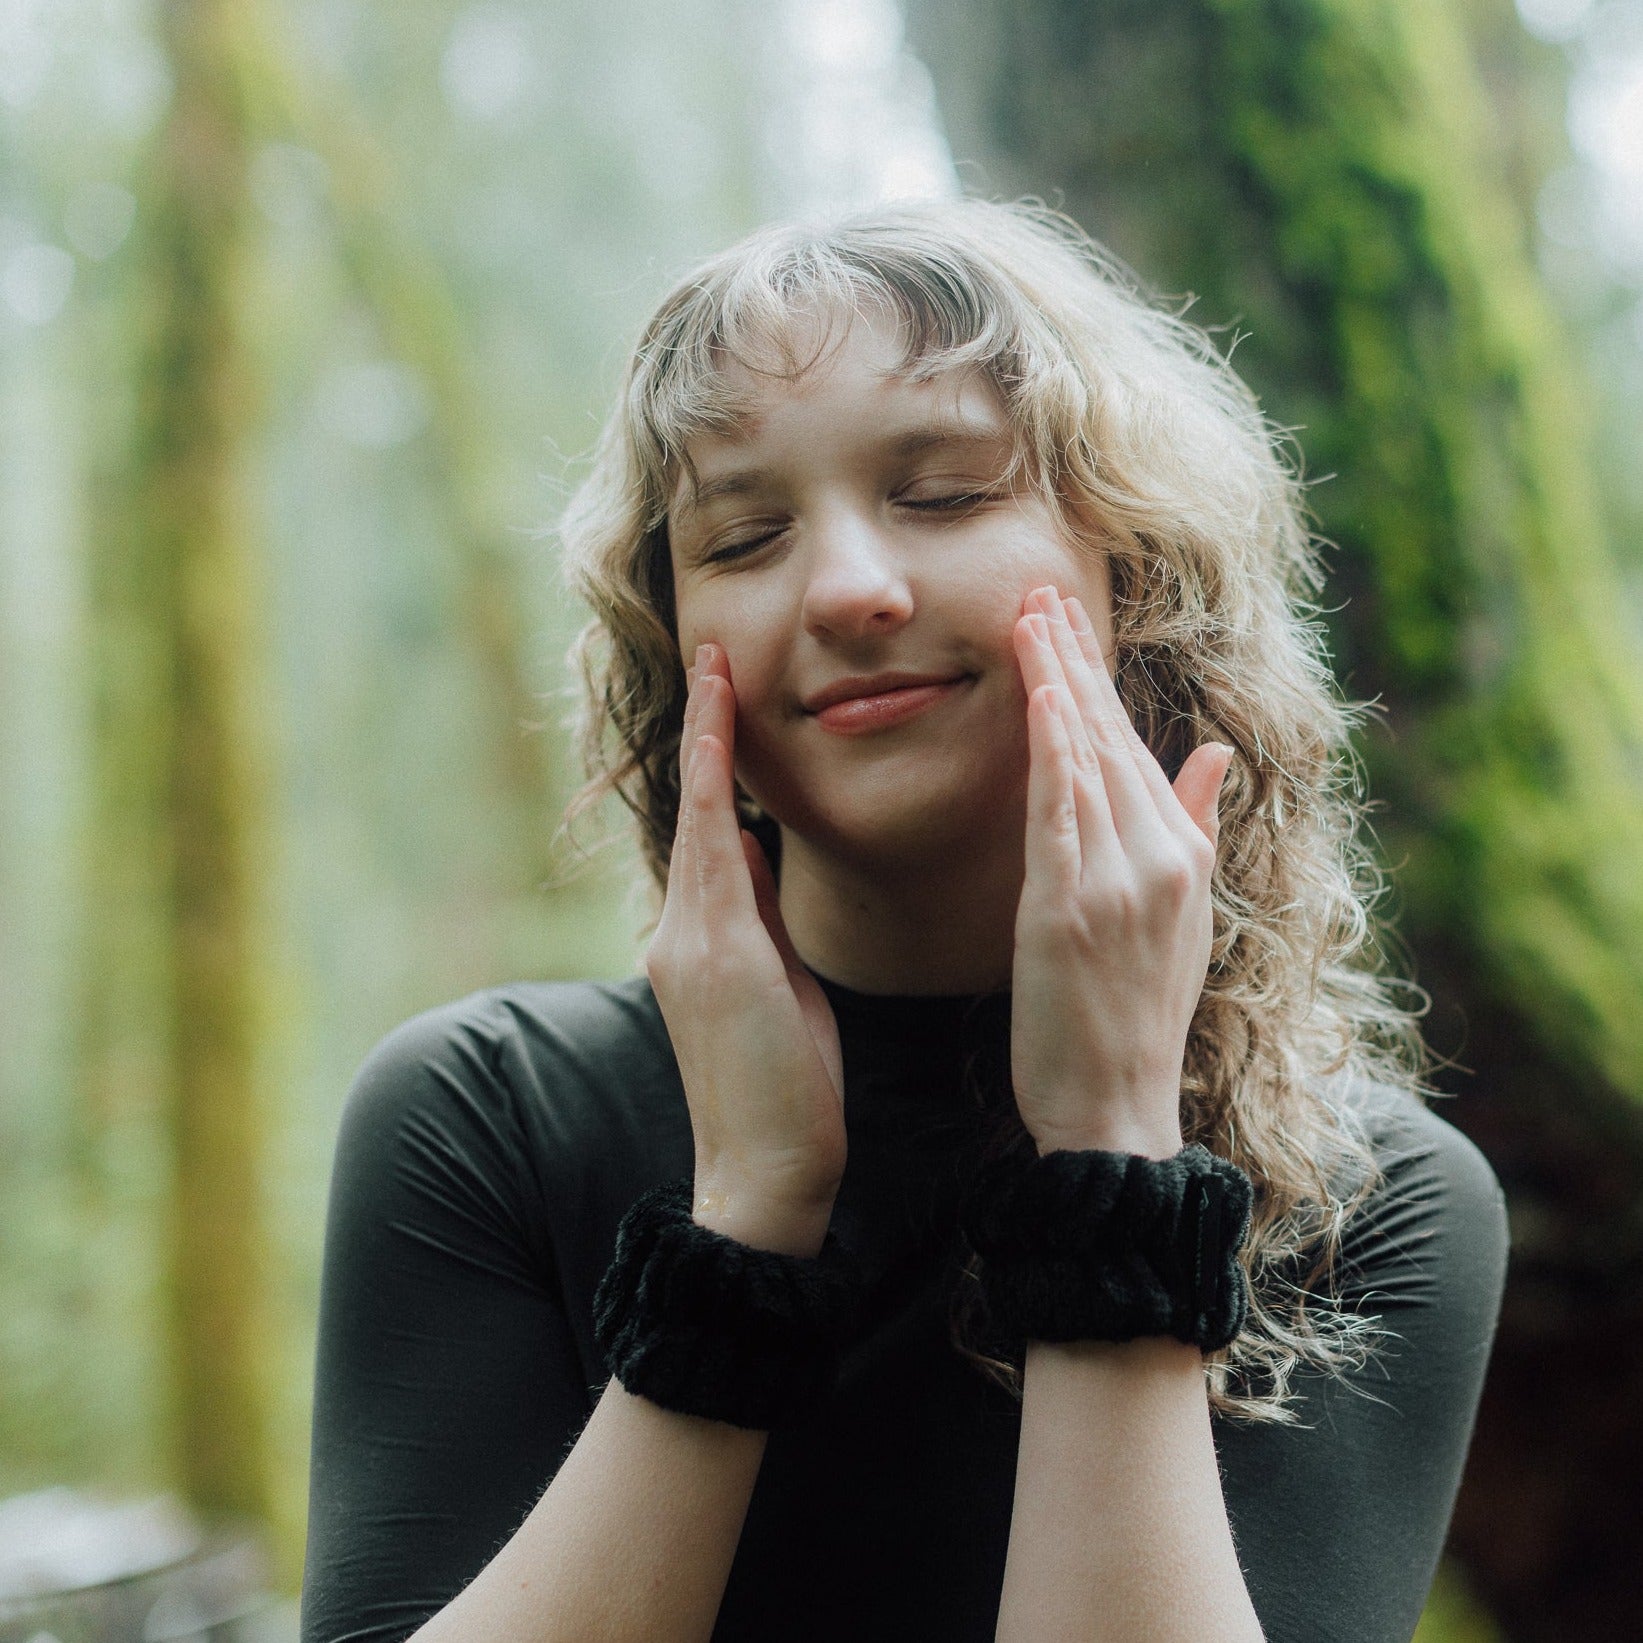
(1198, 786)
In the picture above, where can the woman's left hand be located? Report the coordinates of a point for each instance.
(1112, 938)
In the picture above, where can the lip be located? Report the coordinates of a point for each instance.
(858, 715)
(873, 684)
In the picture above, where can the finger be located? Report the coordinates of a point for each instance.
(1198, 786)
(721, 866)
(709, 659)
(1089, 644)
(1134, 810)
(681, 868)
(1041, 666)
(1054, 849)
(767, 897)
(715, 700)
(721, 877)
(686, 867)
(1102, 846)
(1146, 763)
(1036, 655)
(1168, 796)
(687, 731)
(1086, 668)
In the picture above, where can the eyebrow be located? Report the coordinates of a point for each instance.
(745, 480)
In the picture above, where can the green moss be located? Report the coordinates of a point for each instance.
(201, 731)
(1352, 137)
(1326, 177)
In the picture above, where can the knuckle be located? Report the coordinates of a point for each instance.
(659, 968)
(1064, 819)
(1175, 876)
(1106, 734)
(1131, 900)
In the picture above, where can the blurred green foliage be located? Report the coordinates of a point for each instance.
(462, 213)
(1332, 183)
(1452, 1615)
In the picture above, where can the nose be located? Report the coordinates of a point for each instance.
(857, 585)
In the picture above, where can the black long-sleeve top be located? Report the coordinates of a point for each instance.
(487, 1153)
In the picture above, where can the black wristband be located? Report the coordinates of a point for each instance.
(702, 1324)
(1110, 1246)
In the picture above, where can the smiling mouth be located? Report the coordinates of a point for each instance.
(861, 715)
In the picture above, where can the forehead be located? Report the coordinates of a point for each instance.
(858, 365)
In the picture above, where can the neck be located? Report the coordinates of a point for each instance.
(935, 928)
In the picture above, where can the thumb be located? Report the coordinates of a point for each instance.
(1198, 786)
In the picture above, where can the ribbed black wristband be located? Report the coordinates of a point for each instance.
(1110, 1246)
(702, 1324)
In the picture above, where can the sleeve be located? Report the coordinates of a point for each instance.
(1339, 1522)
(447, 1388)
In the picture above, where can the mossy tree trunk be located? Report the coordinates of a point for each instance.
(404, 287)
(190, 534)
(1324, 175)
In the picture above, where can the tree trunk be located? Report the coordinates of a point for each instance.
(1324, 177)
(406, 290)
(190, 533)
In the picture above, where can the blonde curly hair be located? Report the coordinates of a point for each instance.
(1135, 428)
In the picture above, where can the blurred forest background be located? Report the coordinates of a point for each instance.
(308, 310)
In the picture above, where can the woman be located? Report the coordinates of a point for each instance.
(951, 651)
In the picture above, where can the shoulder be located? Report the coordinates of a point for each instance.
(514, 1107)
(1433, 1229)
(502, 1046)
(1340, 1510)
(492, 1020)
(1420, 1153)
(1417, 1144)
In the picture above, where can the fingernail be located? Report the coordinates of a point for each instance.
(1075, 615)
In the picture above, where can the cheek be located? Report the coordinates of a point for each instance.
(1043, 551)
(762, 686)
(738, 629)
(994, 617)
(753, 667)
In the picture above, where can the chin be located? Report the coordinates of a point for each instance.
(888, 824)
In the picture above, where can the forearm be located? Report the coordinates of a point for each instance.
(632, 1542)
(1120, 1529)
(634, 1539)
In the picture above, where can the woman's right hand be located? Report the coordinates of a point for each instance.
(755, 1038)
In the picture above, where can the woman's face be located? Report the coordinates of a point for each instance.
(860, 525)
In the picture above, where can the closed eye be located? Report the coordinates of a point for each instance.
(965, 500)
(929, 504)
(739, 550)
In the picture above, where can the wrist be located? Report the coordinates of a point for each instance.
(707, 1325)
(1098, 1208)
(1144, 1143)
(1145, 1356)
(760, 1224)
